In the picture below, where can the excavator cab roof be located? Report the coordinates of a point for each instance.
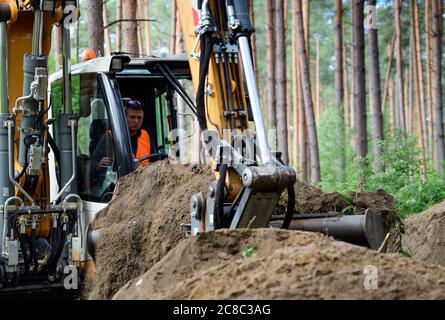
(124, 65)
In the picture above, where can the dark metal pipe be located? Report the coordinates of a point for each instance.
(67, 126)
(368, 229)
(242, 14)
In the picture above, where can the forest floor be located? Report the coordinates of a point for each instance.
(143, 253)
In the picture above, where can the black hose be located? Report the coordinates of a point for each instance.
(11, 224)
(59, 249)
(27, 145)
(219, 197)
(33, 251)
(204, 62)
(22, 240)
(54, 244)
(290, 207)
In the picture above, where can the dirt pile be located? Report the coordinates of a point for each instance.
(310, 199)
(424, 237)
(282, 265)
(143, 222)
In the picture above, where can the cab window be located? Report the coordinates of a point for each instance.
(96, 177)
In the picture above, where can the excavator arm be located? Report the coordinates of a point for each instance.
(248, 176)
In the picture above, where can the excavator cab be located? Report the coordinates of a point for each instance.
(99, 90)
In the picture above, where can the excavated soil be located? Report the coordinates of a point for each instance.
(143, 222)
(310, 199)
(286, 265)
(424, 237)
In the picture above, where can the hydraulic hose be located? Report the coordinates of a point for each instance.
(290, 207)
(204, 62)
(33, 250)
(22, 240)
(55, 239)
(219, 197)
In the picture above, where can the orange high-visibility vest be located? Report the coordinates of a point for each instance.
(144, 148)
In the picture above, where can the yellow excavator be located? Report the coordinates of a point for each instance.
(50, 127)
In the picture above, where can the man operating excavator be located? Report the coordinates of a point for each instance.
(140, 139)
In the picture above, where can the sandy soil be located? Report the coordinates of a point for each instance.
(286, 265)
(424, 237)
(143, 240)
(143, 223)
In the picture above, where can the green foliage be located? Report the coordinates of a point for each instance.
(414, 184)
(248, 252)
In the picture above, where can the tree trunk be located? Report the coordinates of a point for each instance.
(288, 88)
(281, 80)
(351, 100)
(96, 27)
(346, 97)
(411, 90)
(296, 91)
(436, 43)
(375, 94)
(340, 89)
(307, 96)
(271, 58)
(388, 71)
(429, 99)
(139, 15)
(147, 28)
(254, 45)
(392, 109)
(174, 21)
(305, 136)
(179, 36)
(317, 81)
(130, 27)
(58, 47)
(417, 50)
(306, 24)
(407, 104)
(399, 63)
(107, 37)
(118, 26)
(358, 76)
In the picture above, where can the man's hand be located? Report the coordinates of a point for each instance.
(105, 162)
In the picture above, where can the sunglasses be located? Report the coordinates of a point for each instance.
(134, 103)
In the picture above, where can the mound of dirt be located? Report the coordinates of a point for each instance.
(310, 199)
(143, 222)
(282, 265)
(424, 237)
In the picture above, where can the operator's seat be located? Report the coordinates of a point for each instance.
(97, 129)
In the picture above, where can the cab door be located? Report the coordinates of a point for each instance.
(101, 134)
